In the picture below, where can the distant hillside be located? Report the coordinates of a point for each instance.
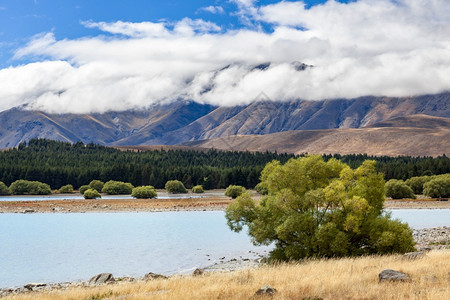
(181, 122)
(414, 135)
(159, 147)
(416, 121)
(18, 125)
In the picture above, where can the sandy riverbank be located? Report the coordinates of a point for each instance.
(214, 200)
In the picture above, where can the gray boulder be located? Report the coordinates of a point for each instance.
(413, 255)
(34, 286)
(392, 275)
(198, 272)
(102, 279)
(153, 276)
(266, 291)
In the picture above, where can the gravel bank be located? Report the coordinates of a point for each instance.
(434, 238)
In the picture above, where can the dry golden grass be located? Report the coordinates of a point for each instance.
(350, 278)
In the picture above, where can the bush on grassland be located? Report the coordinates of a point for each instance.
(96, 185)
(66, 189)
(416, 183)
(83, 189)
(234, 191)
(113, 187)
(144, 192)
(320, 209)
(4, 189)
(175, 187)
(438, 187)
(91, 194)
(198, 189)
(22, 187)
(398, 189)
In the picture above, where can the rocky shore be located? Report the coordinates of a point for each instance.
(427, 239)
(108, 278)
(432, 238)
(207, 203)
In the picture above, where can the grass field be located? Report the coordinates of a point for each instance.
(350, 278)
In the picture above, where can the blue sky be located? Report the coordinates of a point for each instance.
(22, 19)
(83, 56)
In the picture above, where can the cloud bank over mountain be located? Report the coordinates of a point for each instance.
(366, 47)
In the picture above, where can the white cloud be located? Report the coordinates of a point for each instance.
(213, 9)
(367, 47)
(130, 29)
(247, 11)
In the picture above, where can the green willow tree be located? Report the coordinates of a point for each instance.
(320, 209)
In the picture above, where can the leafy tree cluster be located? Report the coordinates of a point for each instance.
(144, 192)
(401, 167)
(198, 189)
(320, 209)
(26, 187)
(60, 163)
(4, 190)
(91, 194)
(114, 187)
(84, 188)
(175, 187)
(436, 186)
(398, 189)
(66, 189)
(234, 191)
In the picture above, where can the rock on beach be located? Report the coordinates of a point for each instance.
(102, 279)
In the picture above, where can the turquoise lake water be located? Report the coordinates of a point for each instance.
(68, 247)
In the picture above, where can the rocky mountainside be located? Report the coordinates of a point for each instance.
(182, 122)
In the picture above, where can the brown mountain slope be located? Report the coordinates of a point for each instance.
(416, 121)
(392, 141)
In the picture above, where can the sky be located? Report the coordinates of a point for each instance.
(83, 56)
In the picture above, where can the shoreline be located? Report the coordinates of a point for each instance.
(427, 239)
(212, 201)
(423, 275)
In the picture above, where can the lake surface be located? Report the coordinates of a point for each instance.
(422, 218)
(69, 247)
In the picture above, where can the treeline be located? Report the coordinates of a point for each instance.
(60, 163)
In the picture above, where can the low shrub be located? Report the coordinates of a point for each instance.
(113, 187)
(4, 189)
(91, 194)
(22, 187)
(66, 189)
(234, 191)
(96, 185)
(144, 192)
(83, 189)
(198, 189)
(175, 187)
(398, 189)
(261, 189)
(438, 187)
(416, 183)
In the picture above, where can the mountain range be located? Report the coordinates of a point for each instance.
(362, 125)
